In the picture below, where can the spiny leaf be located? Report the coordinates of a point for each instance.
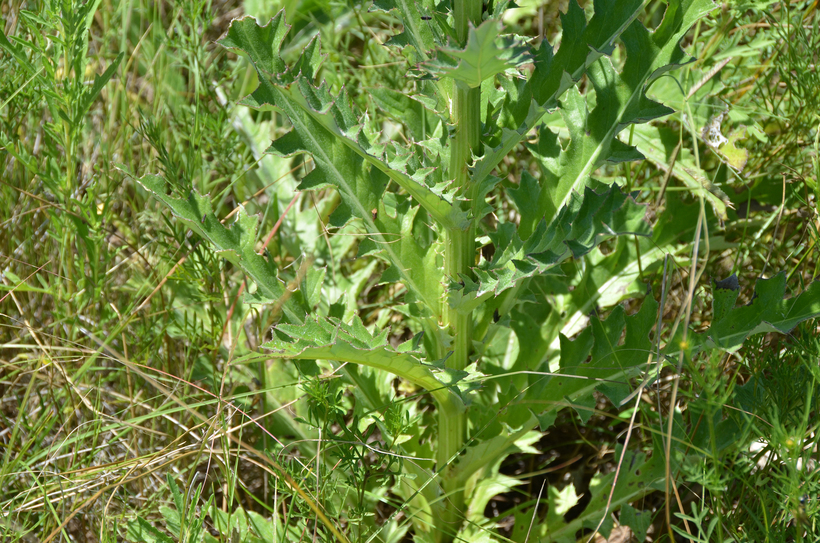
(236, 244)
(331, 339)
(407, 255)
(621, 98)
(575, 231)
(260, 43)
(420, 35)
(493, 155)
(582, 44)
(555, 72)
(316, 107)
(485, 55)
(330, 130)
(612, 363)
(402, 108)
(596, 360)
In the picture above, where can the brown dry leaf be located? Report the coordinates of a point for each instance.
(621, 534)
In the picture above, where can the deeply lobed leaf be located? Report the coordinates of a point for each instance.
(236, 244)
(333, 133)
(574, 232)
(621, 98)
(485, 55)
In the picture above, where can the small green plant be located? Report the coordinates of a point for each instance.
(760, 452)
(52, 66)
(480, 276)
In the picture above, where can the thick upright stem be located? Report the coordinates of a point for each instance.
(459, 259)
(460, 247)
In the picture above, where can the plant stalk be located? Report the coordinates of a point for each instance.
(459, 258)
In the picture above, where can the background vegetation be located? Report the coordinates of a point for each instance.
(137, 403)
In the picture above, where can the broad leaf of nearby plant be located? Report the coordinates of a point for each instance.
(485, 55)
(768, 311)
(657, 145)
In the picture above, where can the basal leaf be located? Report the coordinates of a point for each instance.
(486, 482)
(603, 358)
(611, 362)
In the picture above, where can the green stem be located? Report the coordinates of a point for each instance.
(69, 254)
(459, 259)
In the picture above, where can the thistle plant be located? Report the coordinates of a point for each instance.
(493, 348)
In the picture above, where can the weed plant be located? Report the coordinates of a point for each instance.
(444, 247)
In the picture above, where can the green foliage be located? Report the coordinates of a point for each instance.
(437, 219)
(331, 339)
(52, 74)
(575, 231)
(758, 452)
(561, 213)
